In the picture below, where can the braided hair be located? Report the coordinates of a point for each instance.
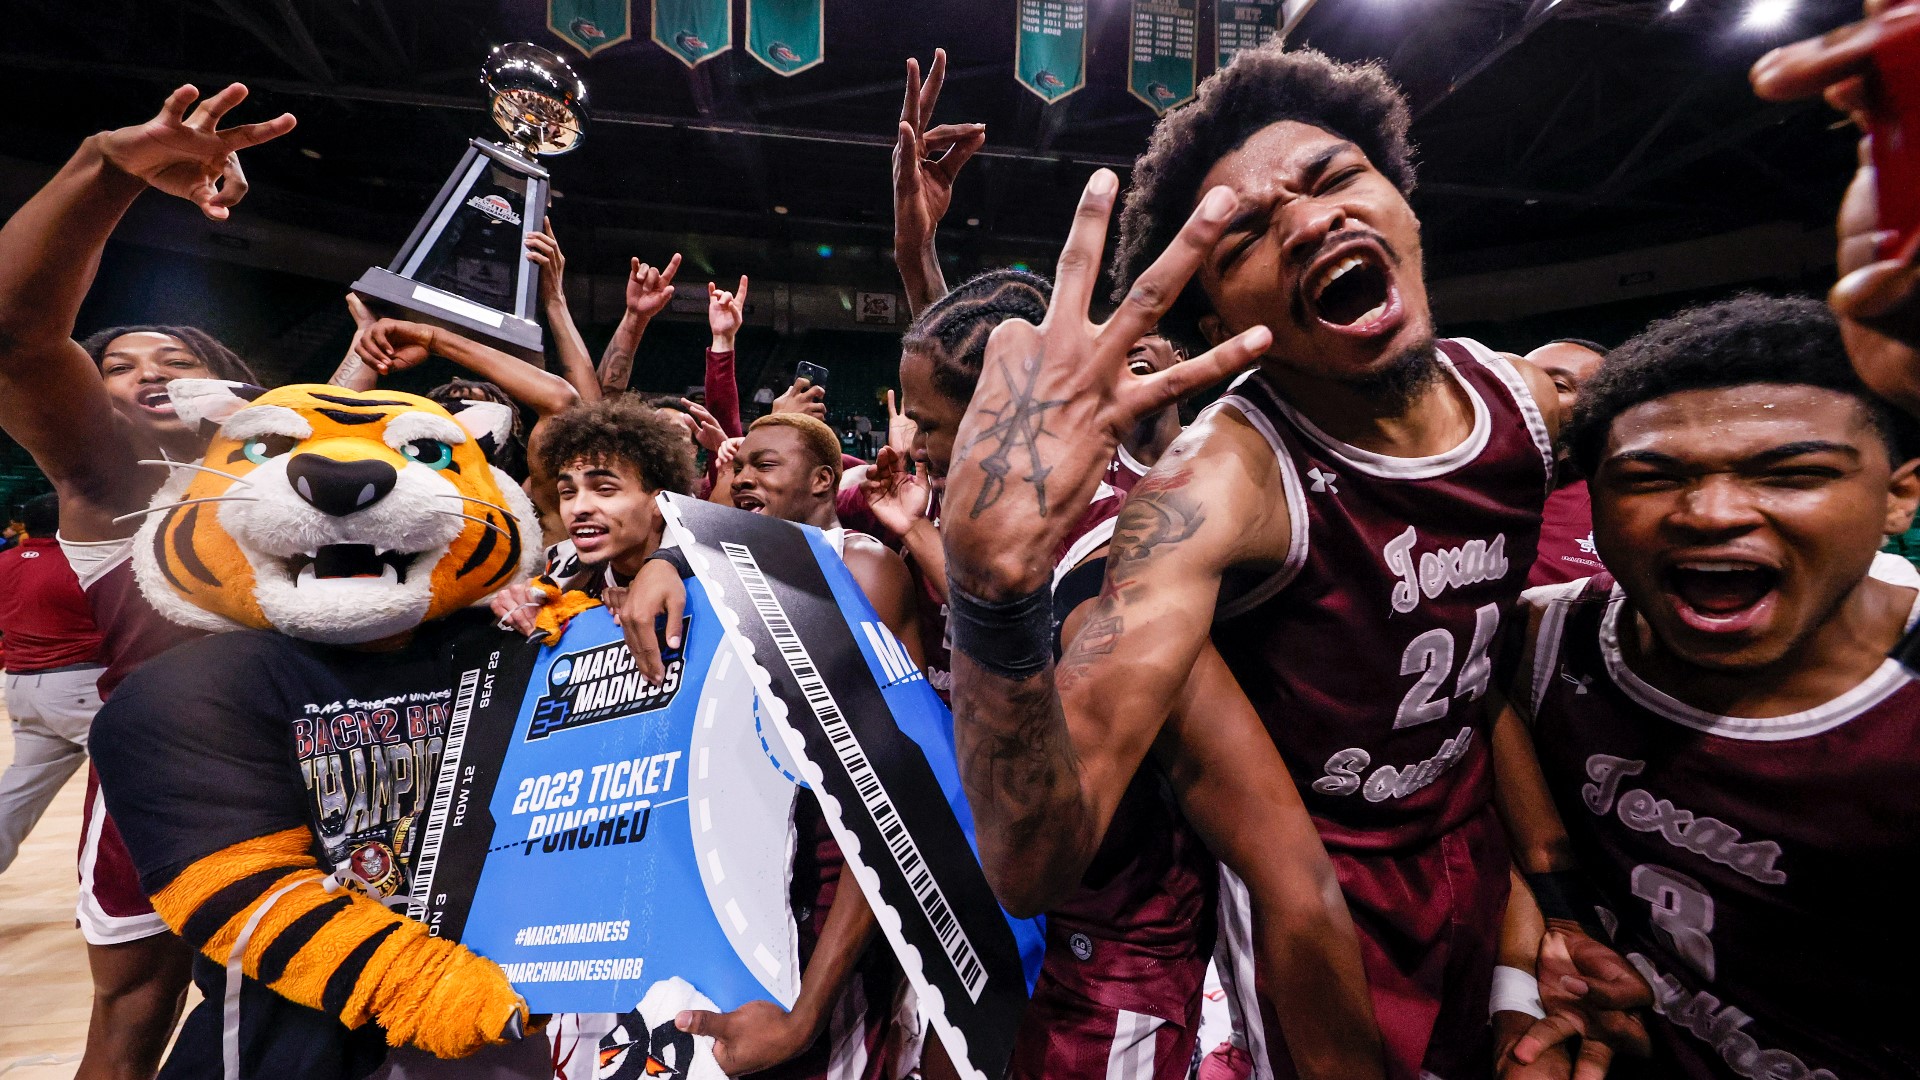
(223, 362)
(953, 331)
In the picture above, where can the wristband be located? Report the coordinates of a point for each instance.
(1566, 895)
(673, 557)
(1515, 991)
(1012, 639)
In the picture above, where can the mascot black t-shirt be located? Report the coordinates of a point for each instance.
(287, 734)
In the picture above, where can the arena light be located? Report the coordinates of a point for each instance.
(1767, 14)
(1674, 7)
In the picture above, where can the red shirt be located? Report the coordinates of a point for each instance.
(42, 610)
(1566, 538)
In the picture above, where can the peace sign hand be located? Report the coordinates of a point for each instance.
(186, 156)
(926, 162)
(1054, 400)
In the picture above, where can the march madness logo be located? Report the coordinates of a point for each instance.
(495, 207)
(602, 683)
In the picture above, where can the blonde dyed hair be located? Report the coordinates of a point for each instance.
(819, 439)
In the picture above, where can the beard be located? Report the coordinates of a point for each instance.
(1406, 374)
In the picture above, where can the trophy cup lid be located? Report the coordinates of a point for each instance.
(535, 98)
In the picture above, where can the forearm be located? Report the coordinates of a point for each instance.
(542, 391)
(850, 928)
(353, 373)
(616, 363)
(1535, 833)
(723, 385)
(921, 274)
(922, 544)
(576, 366)
(50, 249)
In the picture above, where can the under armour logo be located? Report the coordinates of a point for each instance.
(1587, 544)
(1580, 682)
(1324, 481)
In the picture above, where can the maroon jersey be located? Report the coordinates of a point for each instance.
(131, 631)
(1566, 538)
(1367, 653)
(1746, 863)
(1124, 471)
(43, 614)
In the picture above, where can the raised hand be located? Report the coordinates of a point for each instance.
(900, 428)
(389, 345)
(897, 497)
(707, 431)
(726, 312)
(543, 248)
(803, 397)
(925, 162)
(189, 156)
(1054, 401)
(650, 288)
(1878, 294)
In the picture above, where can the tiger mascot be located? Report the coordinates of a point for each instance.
(268, 779)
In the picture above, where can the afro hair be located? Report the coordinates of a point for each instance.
(1358, 102)
(620, 428)
(1790, 341)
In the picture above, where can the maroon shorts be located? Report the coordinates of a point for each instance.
(113, 907)
(1429, 928)
(1065, 1035)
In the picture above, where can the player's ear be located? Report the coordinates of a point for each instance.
(1212, 329)
(1903, 496)
(824, 480)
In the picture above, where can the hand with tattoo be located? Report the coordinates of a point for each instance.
(1055, 400)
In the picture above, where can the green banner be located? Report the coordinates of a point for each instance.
(1160, 65)
(693, 30)
(1050, 54)
(788, 36)
(1239, 25)
(590, 25)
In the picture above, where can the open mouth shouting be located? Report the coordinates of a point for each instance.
(1721, 596)
(154, 399)
(350, 562)
(587, 536)
(748, 501)
(1349, 289)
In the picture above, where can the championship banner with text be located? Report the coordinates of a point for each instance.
(876, 745)
(590, 25)
(788, 36)
(1160, 61)
(1050, 51)
(1239, 25)
(693, 30)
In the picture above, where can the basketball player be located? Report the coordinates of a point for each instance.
(1364, 506)
(1732, 754)
(90, 414)
(1566, 525)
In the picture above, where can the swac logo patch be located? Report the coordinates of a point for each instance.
(600, 684)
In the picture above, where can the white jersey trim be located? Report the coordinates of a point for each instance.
(1522, 397)
(1296, 496)
(1555, 604)
(1886, 680)
(1402, 468)
(96, 926)
(1129, 462)
(94, 559)
(1094, 538)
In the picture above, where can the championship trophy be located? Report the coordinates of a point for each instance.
(465, 267)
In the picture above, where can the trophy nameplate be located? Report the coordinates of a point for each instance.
(465, 267)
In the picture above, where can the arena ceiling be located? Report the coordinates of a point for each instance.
(1547, 131)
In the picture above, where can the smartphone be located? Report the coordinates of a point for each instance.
(1895, 125)
(812, 372)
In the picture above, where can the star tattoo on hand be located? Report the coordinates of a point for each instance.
(1019, 423)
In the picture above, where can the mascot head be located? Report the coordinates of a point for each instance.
(333, 515)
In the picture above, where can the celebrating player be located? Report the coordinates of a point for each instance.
(1731, 751)
(1365, 507)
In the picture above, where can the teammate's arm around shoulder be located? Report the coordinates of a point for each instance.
(1044, 765)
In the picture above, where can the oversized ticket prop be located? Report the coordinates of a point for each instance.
(597, 836)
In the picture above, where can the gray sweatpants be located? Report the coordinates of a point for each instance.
(51, 714)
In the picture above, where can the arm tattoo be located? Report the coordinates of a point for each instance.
(1158, 514)
(1019, 758)
(1019, 423)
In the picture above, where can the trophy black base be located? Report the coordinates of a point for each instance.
(424, 303)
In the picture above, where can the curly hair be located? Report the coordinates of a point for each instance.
(1791, 341)
(953, 330)
(223, 362)
(620, 428)
(1358, 102)
(820, 440)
